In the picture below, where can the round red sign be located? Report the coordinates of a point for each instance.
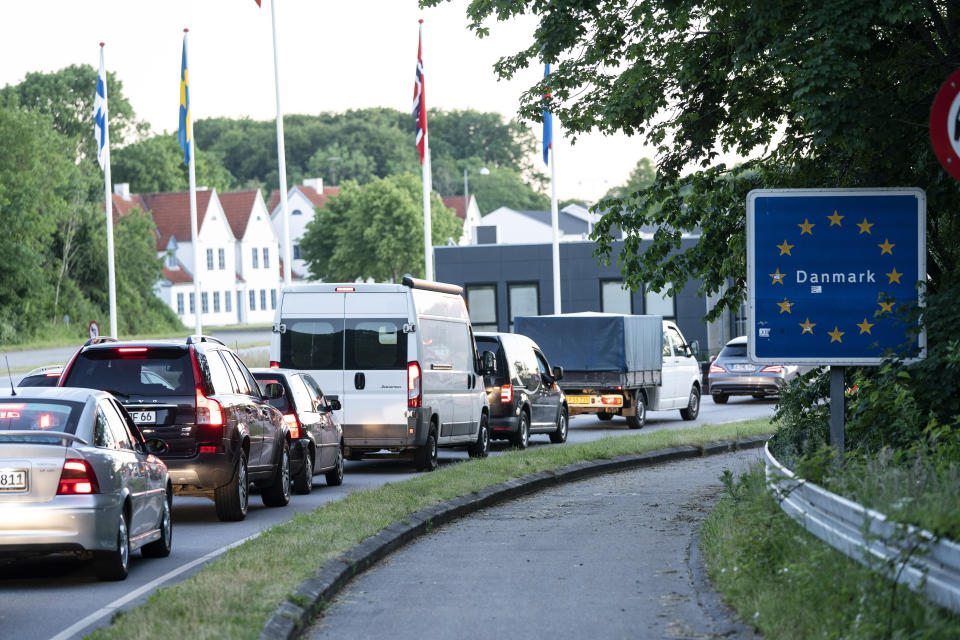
(945, 125)
(94, 329)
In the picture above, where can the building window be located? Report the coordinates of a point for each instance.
(297, 212)
(253, 300)
(263, 299)
(204, 308)
(216, 302)
(171, 260)
(522, 300)
(193, 303)
(256, 258)
(740, 321)
(222, 256)
(266, 258)
(209, 259)
(227, 302)
(615, 298)
(296, 252)
(273, 298)
(660, 304)
(482, 305)
(179, 304)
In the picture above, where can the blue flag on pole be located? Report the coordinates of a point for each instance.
(547, 123)
(100, 114)
(184, 134)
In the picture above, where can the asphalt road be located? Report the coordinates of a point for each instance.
(615, 556)
(29, 589)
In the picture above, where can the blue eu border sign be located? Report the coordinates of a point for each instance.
(829, 270)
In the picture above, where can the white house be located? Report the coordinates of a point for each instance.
(469, 214)
(258, 255)
(509, 226)
(301, 203)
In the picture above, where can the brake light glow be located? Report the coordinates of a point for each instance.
(615, 400)
(274, 364)
(132, 349)
(414, 386)
(345, 289)
(293, 423)
(773, 368)
(44, 421)
(52, 375)
(715, 368)
(13, 406)
(209, 410)
(208, 448)
(506, 394)
(77, 478)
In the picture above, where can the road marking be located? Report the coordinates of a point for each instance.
(106, 610)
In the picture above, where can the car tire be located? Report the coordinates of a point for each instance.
(232, 498)
(334, 477)
(426, 458)
(521, 438)
(278, 493)
(113, 565)
(639, 418)
(161, 548)
(481, 448)
(720, 398)
(692, 410)
(603, 415)
(559, 436)
(303, 481)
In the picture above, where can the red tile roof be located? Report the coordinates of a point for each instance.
(171, 214)
(318, 199)
(237, 206)
(458, 204)
(176, 276)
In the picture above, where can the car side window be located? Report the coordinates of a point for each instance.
(122, 438)
(301, 397)
(667, 345)
(676, 341)
(544, 366)
(254, 388)
(315, 391)
(102, 434)
(242, 384)
(219, 376)
(528, 370)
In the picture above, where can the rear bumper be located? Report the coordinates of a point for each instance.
(203, 471)
(501, 427)
(66, 523)
(373, 437)
(746, 385)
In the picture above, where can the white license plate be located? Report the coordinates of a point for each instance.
(13, 479)
(743, 367)
(144, 417)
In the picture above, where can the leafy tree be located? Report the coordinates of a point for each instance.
(337, 163)
(156, 164)
(642, 177)
(375, 231)
(505, 187)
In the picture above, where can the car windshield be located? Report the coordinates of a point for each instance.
(134, 371)
(734, 351)
(40, 415)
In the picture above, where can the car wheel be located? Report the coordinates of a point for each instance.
(232, 498)
(692, 409)
(522, 437)
(426, 459)
(278, 493)
(303, 481)
(334, 477)
(720, 398)
(639, 418)
(161, 548)
(481, 448)
(605, 416)
(113, 565)
(560, 435)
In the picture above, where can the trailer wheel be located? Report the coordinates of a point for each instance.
(639, 417)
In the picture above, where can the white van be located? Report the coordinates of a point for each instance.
(401, 359)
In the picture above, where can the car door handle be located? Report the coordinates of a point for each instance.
(359, 380)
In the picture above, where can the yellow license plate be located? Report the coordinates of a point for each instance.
(578, 399)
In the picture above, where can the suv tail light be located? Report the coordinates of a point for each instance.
(209, 415)
(715, 368)
(414, 386)
(209, 411)
(77, 478)
(506, 394)
(274, 364)
(293, 423)
(773, 368)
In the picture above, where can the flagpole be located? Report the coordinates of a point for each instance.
(554, 220)
(425, 166)
(108, 200)
(198, 325)
(281, 154)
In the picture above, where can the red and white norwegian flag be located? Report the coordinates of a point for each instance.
(419, 105)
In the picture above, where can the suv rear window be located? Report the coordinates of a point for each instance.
(734, 351)
(154, 372)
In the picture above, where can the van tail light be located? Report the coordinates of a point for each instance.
(506, 394)
(773, 368)
(293, 424)
(414, 386)
(274, 364)
(715, 368)
(77, 478)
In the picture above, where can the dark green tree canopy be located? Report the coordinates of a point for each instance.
(156, 164)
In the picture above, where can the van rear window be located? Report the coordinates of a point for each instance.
(312, 344)
(376, 344)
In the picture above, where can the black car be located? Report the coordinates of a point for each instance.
(522, 391)
(316, 438)
(202, 401)
(47, 376)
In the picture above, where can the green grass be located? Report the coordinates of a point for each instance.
(70, 338)
(235, 595)
(789, 584)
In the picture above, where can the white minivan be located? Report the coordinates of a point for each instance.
(401, 358)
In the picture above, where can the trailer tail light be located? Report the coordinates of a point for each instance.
(506, 394)
(414, 386)
(773, 368)
(715, 368)
(274, 364)
(293, 424)
(611, 400)
(77, 478)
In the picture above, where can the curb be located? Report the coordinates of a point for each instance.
(289, 619)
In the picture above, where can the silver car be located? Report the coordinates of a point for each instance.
(732, 374)
(77, 476)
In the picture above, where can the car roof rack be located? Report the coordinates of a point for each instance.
(200, 338)
(100, 339)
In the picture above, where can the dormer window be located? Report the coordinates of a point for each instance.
(171, 259)
(297, 212)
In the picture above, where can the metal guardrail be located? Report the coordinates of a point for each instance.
(910, 555)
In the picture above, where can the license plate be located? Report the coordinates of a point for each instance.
(13, 479)
(743, 367)
(578, 399)
(144, 417)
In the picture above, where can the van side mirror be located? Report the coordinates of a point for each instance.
(273, 390)
(489, 363)
(558, 373)
(693, 349)
(334, 404)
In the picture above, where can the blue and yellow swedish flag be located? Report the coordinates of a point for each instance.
(185, 128)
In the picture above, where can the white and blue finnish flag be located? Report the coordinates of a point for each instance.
(100, 114)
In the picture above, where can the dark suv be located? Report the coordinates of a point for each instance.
(522, 391)
(199, 398)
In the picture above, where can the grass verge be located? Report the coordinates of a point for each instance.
(789, 584)
(235, 595)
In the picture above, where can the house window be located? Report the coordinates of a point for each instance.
(209, 259)
(266, 258)
(273, 298)
(740, 321)
(522, 300)
(171, 260)
(263, 299)
(482, 305)
(256, 258)
(227, 302)
(180, 304)
(222, 256)
(204, 308)
(296, 252)
(615, 298)
(253, 300)
(660, 304)
(297, 212)
(216, 302)
(193, 303)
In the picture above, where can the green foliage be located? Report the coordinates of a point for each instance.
(156, 164)
(642, 177)
(504, 187)
(375, 231)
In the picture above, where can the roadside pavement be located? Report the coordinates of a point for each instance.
(613, 556)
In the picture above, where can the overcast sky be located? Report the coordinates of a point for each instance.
(334, 56)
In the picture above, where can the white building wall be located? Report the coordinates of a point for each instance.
(516, 228)
(296, 201)
(263, 280)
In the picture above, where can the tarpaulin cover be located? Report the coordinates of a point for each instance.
(597, 341)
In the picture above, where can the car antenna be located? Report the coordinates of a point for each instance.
(13, 391)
